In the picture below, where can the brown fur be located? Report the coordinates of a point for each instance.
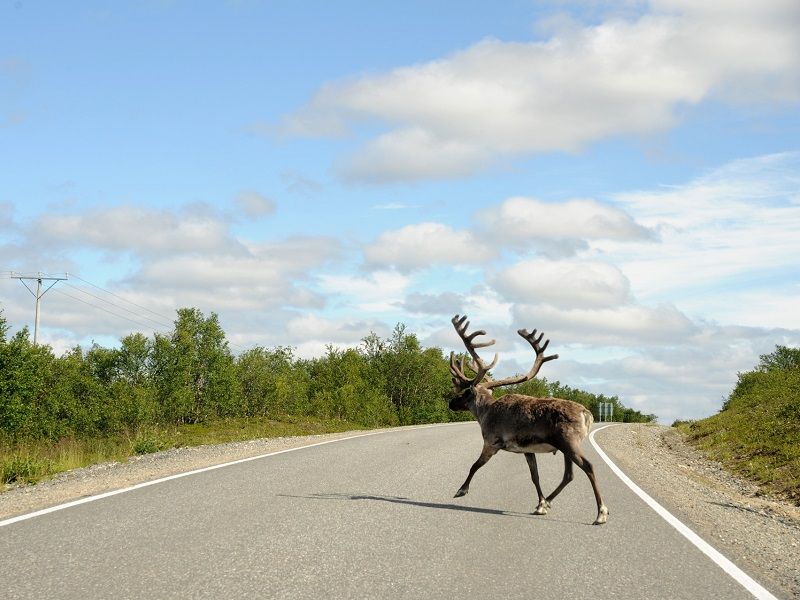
(523, 424)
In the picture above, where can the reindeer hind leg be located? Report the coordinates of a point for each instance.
(602, 510)
(568, 476)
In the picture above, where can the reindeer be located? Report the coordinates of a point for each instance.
(518, 423)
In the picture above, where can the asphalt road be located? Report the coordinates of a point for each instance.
(371, 517)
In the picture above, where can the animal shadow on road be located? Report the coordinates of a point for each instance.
(422, 504)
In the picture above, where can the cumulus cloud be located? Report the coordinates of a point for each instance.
(312, 327)
(559, 228)
(624, 325)
(160, 260)
(126, 228)
(565, 284)
(425, 244)
(446, 303)
(311, 335)
(495, 99)
(378, 291)
(688, 380)
(392, 156)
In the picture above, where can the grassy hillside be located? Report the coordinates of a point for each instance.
(757, 432)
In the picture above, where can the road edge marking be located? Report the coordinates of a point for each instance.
(747, 582)
(94, 498)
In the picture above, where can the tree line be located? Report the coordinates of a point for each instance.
(190, 375)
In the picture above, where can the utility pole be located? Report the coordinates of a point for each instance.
(39, 277)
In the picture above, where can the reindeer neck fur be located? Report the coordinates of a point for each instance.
(481, 400)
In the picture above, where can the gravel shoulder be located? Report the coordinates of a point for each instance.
(759, 534)
(97, 479)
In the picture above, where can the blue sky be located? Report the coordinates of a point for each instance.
(624, 176)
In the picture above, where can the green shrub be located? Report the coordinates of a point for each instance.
(148, 444)
(23, 468)
(757, 432)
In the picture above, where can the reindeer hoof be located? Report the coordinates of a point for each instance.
(602, 516)
(543, 507)
(461, 492)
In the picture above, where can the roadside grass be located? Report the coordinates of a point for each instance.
(31, 461)
(757, 434)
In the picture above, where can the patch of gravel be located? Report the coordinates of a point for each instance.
(760, 535)
(89, 481)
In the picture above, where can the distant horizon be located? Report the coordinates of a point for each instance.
(622, 176)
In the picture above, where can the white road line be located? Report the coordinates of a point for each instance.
(731, 569)
(87, 499)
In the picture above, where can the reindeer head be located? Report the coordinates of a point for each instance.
(466, 390)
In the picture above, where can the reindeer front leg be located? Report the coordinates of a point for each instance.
(488, 452)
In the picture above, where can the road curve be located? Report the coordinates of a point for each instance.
(368, 517)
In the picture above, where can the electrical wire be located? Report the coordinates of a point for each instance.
(162, 322)
(79, 278)
(127, 310)
(57, 291)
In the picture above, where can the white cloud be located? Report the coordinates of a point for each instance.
(684, 380)
(495, 99)
(162, 260)
(446, 303)
(626, 325)
(489, 309)
(270, 275)
(731, 229)
(392, 156)
(566, 284)
(558, 228)
(312, 327)
(135, 229)
(311, 335)
(379, 291)
(425, 244)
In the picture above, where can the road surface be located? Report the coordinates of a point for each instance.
(369, 517)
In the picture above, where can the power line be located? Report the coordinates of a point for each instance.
(159, 323)
(165, 321)
(105, 310)
(120, 297)
(235, 347)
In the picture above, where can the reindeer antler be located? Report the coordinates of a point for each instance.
(461, 324)
(481, 369)
(534, 341)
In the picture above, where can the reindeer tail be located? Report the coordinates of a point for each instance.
(588, 419)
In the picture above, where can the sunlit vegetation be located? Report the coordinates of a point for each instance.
(187, 388)
(757, 432)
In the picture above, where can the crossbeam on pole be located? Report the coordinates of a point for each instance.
(39, 277)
